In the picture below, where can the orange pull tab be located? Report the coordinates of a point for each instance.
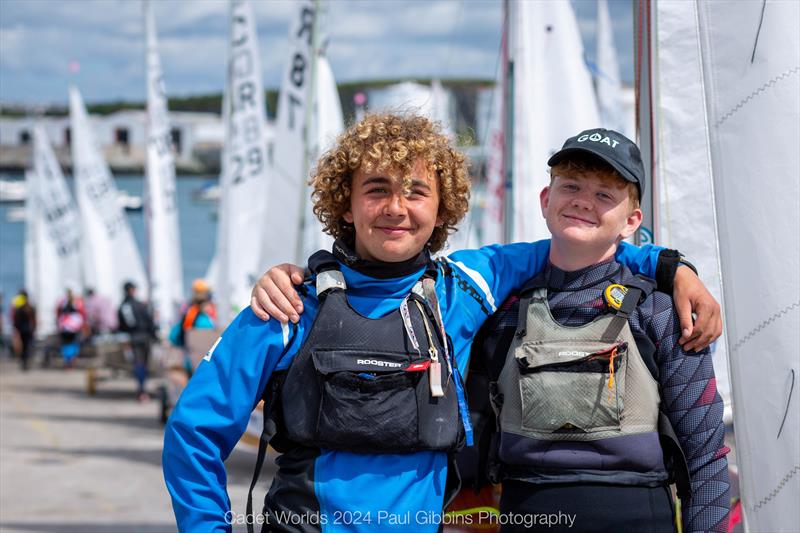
(611, 371)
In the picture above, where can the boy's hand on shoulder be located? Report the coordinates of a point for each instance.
(691, 296)
(274, 295)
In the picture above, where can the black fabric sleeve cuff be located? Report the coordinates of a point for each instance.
(668, 262)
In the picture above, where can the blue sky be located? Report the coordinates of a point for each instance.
(368, 39)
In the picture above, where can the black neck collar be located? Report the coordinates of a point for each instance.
(380, 269)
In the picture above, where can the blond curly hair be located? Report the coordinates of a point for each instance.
(390, 141)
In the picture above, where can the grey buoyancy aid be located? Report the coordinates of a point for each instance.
(579, 404)
(365, 385)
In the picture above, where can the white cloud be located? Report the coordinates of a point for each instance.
(368, 39)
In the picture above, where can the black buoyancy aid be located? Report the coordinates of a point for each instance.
(371, 385)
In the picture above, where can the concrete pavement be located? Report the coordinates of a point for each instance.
(72, 463)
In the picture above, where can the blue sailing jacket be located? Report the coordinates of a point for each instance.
(351, 492)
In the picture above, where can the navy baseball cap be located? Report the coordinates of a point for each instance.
(610, 146)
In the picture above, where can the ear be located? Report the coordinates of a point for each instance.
(544, 199)
(348, 216)
(632, 223)
(439, 221)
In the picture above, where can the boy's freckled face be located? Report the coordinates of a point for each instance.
(391, 224)
(589, 211)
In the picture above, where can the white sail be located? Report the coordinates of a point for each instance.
(29, 249)
(41, 261)
(492, 216)
(287, 187)
(407, 96)
(553, 100)
(607, 79)
(42, 279)
(108, 250)
(328, 118)
(161, 208)
(441, 108)
(53, 234)
(243, 180)
(682, 185)
(751, 70)
(327, 123)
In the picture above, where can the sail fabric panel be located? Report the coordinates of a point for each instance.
(327, 124)
(441, 105)
(109, 253)
(243, 181)
(683, 188)
(165, 266)
(42, 278)
(30, 273)
(289, 172)
(549, 69)
(609, 86)
(751, 67)
(43, 285)
(53, 234)
(492, 221)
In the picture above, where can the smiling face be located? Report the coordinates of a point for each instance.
(588, 215)
(392, 224)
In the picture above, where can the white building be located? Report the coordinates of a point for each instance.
(197, 139)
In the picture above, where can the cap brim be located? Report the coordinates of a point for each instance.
(624, 172)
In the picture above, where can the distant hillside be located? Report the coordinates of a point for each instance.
(463, 89)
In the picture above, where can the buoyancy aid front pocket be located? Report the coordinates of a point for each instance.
(368, 401)
(572, 387)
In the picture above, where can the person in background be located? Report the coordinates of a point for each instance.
(135, 319)
(100, 314)
(70, 321)
(199, 313)
(23, 319)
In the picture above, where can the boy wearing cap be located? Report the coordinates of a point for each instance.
(591, 390)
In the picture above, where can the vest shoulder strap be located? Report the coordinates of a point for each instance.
(328, 280)
(326, 267)
(638, 289)
(645, 284)
(537, 282)
(321, 261)
(268, 432)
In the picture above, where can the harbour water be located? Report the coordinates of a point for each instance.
(197, 220)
